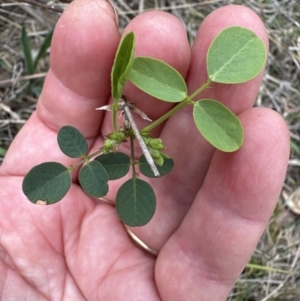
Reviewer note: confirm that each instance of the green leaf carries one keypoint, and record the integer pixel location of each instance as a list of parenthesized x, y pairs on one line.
[(236, 55), (27, 52), (158, 79), (116, 164), (48, 181), (71, 142), (163, 170), (218, 125), (93, 179), (45, 45), (294, 147), (135, 202), (122, 65), (3, 151), (35, 88)]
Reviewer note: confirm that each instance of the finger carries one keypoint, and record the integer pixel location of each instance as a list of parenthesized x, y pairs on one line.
[(236, 97), (83, 49), (218, 235), (83, 244), (82, 52), (190, 152), (158, 35)]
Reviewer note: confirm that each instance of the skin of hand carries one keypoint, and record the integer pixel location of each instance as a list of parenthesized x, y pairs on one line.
[(211, 210)]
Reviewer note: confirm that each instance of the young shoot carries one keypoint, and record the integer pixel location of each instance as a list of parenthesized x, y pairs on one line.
[(236, 55)]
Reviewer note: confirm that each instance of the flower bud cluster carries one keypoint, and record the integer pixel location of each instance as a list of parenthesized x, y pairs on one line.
[(113, 141), (155, 147)]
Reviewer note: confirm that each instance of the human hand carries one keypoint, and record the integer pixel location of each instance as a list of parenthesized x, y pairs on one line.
[(211, 210)]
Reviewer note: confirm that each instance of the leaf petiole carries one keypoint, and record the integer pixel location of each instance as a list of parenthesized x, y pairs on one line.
[(202, 88), (161, 119), (186, 101), (115, 124), (132, 157), (85, 159)]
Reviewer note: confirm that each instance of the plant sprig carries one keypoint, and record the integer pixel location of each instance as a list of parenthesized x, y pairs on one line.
[(236, 55)]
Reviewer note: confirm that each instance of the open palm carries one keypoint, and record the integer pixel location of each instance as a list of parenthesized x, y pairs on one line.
[(211, 211)]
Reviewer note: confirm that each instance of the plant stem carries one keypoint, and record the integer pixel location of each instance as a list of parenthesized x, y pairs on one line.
[(202, 88), (85, 158), (73, 167), (177, 108), (100, 151), (161, 119), (132, 157), (115, 124)]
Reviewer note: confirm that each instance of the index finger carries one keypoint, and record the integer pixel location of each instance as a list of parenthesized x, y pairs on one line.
[(82, 53)]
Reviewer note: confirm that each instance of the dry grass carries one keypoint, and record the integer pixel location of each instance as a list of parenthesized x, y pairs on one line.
[(279, 248)]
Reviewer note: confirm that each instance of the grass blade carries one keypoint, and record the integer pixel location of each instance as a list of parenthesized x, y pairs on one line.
[(45, 45), (27, 52)]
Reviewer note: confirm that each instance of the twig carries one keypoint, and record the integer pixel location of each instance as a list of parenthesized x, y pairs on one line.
[(36, 3), (26, 77), (126, 107), (140, 139), (294, 162), (5, 122)]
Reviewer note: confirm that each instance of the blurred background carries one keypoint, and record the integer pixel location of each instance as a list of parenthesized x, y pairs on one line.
[(25, 38)]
